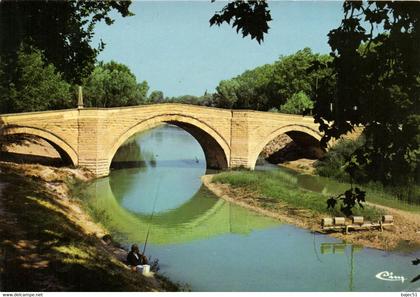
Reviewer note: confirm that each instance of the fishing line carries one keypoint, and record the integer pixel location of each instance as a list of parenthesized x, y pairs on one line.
[(151, 216)]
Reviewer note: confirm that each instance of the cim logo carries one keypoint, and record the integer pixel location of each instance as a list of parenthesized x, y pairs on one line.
[(390, 277)]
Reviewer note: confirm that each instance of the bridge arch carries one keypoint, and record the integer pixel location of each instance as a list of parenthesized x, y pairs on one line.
[(67, 153), (299, 134), (215, 147)]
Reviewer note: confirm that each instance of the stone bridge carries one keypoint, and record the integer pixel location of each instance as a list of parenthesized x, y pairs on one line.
[(90, 137)]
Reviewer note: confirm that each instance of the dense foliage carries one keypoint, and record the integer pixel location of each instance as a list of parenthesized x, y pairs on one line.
[(333, 164), (337, 160), (204, 100), (63, 30), (32, 85), (252, 90), (378, 86), (273, 85), (45, 46), (113, 84), (156, 97), (299, 103)]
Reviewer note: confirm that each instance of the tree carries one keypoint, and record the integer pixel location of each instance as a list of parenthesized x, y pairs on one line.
[(207, 99), (299, 103), (156, 97), (293, 74), (377, 75), (32, 85), (113, 84), (252, 90), (256, 88), (62, 30), (204, 100), (226, 93), (375, 83), (272, 85), (334, 162)]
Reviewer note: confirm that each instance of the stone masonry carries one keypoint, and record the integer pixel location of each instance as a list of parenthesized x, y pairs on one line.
[(90, 137)]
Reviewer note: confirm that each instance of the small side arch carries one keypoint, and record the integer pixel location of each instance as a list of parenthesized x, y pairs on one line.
[(294, 131), (215, 147), (66, 152)]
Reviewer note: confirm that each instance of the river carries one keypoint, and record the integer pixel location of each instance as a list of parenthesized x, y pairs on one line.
[(212, 245)]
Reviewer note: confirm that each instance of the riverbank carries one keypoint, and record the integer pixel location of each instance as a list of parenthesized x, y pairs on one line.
[(248, 193), (305, 166), (48, 241)]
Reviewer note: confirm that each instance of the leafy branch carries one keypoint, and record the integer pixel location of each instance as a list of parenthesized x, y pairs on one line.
[(249, 17), (350, 198)]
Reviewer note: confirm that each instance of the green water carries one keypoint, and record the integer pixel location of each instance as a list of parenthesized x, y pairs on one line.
[(216, 246)]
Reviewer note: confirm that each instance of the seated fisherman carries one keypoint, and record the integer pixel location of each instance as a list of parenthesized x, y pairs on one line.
[(135, 259)]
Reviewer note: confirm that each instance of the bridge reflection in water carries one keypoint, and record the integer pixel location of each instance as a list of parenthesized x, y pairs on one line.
[(169, 186), (203, 216)]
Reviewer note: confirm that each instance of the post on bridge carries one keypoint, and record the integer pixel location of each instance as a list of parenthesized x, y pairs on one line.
[(80, 98)]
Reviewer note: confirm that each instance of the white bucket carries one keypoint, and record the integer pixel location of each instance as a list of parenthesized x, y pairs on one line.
[(146, 269)]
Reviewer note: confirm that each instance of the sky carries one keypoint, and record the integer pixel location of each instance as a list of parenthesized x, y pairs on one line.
[(171, 45)]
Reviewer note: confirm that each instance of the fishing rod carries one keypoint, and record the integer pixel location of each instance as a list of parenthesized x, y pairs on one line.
[(151, 216)]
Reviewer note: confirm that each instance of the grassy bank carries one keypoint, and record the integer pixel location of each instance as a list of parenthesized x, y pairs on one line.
[(46, 244), (379, 195), (376, 193), (278, 195), (333, 165), (283, 187)]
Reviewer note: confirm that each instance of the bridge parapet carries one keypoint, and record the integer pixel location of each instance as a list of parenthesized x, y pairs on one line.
[(91, 136)]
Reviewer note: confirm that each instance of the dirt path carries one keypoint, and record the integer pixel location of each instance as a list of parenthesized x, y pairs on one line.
[(49, 243), (405, 234)]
